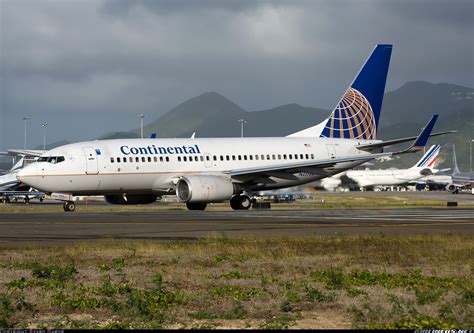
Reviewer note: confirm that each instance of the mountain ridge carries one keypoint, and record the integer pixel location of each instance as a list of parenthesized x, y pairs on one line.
[(405, 110)]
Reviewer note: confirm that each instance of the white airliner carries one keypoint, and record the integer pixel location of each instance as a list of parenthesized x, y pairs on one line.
[(206, 170), (391, 177), (8, 181), (460, 180), (10, 186)]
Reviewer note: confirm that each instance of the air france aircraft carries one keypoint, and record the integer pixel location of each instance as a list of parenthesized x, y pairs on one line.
[(424, 167), (207, 170)]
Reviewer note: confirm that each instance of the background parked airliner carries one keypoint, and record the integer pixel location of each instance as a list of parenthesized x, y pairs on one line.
[(424, 167), (200, 171), (460, 180)]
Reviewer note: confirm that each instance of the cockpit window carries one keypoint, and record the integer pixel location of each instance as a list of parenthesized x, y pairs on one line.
[(52, 159)]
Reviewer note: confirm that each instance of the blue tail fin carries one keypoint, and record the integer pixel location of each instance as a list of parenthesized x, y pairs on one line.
[(357, 114)]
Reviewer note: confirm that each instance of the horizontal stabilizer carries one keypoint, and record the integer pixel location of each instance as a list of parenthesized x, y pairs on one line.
[(388, 143)]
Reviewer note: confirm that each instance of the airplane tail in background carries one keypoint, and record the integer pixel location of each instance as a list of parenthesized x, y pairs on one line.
[(429, 158), (455, 162), (357, 114), (18, 165)]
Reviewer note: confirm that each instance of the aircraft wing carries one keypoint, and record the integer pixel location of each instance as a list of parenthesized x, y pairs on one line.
[(286, 171), (25, 152), (30, 194), (420, 140)]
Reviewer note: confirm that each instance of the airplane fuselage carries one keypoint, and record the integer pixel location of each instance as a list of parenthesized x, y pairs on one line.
[(151, 166), (388, 177)]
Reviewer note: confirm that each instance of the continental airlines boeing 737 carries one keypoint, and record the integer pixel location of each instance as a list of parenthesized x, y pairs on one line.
[(206, 170)]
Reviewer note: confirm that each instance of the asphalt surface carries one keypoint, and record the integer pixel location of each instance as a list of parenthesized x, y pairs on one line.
[(56, 228)]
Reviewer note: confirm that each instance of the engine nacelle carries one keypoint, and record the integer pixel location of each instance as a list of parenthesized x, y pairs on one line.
[(132, 199), (204, 189), (451, 187)]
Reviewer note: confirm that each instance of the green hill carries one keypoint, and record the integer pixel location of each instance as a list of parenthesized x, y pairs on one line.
[(405, 111)]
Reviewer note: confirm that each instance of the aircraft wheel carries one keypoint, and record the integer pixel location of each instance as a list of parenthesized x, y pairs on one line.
[(245, 202), (196, 205), (69, 206), (240, 202), (27, 200), (235, 202)]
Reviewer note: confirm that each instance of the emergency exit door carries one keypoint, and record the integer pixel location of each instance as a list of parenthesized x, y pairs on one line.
[(331, 151)]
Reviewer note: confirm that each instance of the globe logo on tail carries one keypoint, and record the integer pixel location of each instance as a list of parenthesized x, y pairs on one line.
[(353, 118)]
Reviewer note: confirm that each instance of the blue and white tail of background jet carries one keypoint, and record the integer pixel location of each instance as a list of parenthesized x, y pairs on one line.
[(357, 114), (429, 158)]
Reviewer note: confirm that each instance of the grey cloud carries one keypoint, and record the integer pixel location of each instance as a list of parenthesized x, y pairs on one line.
[(126, 57), (458, 14), (123, 7)]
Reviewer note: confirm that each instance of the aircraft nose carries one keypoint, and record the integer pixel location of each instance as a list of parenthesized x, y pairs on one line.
[(28, 175)]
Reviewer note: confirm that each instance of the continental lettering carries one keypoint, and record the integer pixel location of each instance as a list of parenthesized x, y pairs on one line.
[(160, 150)]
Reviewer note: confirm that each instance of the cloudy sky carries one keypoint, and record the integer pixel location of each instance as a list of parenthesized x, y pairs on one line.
[(88, 67)]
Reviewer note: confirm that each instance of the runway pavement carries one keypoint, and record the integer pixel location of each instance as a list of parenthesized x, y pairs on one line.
[(56, 228)]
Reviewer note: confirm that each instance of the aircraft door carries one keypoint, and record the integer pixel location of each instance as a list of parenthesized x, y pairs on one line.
[(331, 151), (92, 164)]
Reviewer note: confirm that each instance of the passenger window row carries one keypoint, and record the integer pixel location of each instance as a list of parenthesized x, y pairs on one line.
[(201, 158), (138, 159), (263, 157)]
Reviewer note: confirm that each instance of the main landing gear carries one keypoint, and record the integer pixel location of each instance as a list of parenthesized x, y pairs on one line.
[(196, 205), (69, 206), (240, 202)]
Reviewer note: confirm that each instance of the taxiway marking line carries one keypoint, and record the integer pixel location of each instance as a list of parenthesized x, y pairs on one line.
[(439, 223)]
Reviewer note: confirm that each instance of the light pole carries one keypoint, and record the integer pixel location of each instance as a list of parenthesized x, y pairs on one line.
[(141, 115), (44, 135), (470, 154), (242, 122), (25, 119)]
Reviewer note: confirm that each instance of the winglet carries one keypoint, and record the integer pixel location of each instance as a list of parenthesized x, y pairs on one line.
[(422, 138), (153, 136)]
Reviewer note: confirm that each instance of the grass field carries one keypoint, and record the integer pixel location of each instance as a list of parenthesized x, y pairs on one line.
[(353, 200), (378, 281)]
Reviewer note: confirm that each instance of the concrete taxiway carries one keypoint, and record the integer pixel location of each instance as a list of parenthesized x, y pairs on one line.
[(51, 228)]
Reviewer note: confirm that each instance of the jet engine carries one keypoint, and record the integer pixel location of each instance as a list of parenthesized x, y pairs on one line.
[(452, 188), (132, 199), (192, 189)]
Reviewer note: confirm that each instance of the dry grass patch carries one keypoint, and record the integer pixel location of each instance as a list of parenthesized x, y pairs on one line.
[(375, 281)]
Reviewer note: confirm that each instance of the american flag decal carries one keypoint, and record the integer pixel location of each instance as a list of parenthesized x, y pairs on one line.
[(307, 145)]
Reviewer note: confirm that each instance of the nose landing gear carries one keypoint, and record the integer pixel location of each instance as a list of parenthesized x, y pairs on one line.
[(69, 206)]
